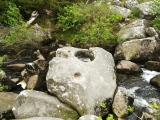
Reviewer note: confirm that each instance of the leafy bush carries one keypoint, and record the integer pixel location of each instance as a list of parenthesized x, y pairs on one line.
[(12, 15), (92, 24), (156, 22), (71, 19), (3, 87), (155, 6), (20, 37), (157, 107), (3, 58), (135, 12)]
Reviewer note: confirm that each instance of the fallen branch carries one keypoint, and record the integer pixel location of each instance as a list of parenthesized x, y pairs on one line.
[(34, 15)]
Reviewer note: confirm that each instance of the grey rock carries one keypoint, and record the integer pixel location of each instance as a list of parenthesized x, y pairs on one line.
[(147, 116), (155, 81), (152, 65), (88, 117), (152, 32), (134, 30), (78, 78), (138, 49), (30, 103), (121, 10), (145, 10), (2, 74), (128, 67), (130, 3), (6, 100), (122, 101), (116, 2)]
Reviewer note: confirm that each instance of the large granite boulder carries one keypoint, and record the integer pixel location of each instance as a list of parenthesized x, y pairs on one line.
[(83, 78), (138, 50), (134, 30), (145, 9), (30, 103)]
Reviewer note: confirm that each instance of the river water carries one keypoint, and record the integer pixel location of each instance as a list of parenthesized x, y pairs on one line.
[(139, 87)]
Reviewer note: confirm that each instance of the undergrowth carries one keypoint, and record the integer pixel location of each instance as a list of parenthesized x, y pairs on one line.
[(92, 24)]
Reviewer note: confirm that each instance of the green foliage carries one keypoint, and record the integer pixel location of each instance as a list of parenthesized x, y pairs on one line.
[(12, 15), (157, 107), (155, 6), (19, 37), (71, 18), (142, 1), (110, 117), (99, 118), (156, 22), (3, 87), (3, 58), (135, 12), (18, 33), (130, 109), (154, 105), (94, 23), (103, 104)]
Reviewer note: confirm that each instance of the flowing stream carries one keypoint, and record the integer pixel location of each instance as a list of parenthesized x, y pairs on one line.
[(139, 87)]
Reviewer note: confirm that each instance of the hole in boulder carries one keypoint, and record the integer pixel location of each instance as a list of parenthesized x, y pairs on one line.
[(77, 75), (85, 56)]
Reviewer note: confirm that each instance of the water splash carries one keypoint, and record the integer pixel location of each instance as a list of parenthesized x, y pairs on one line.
[(147, 74)]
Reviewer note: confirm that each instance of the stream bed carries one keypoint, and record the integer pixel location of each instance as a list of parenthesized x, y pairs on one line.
[(142, 91)]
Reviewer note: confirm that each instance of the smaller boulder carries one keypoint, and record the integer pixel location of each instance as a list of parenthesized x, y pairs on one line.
[(152, 65), (130, 3), (155, 81), (116, 2), (33, 82), (31, 103), (134, 30), (152, 32), (6, 103), (128, 67), (6, 100), (123, 11), (88, 117), (145, 9), (121, 103)]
